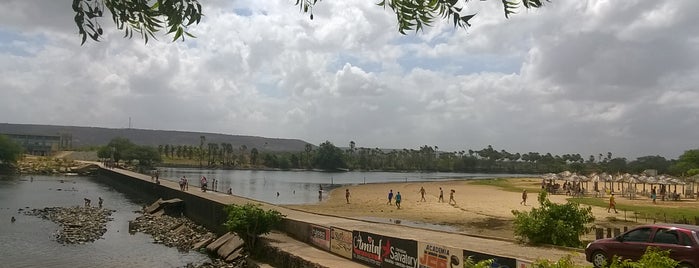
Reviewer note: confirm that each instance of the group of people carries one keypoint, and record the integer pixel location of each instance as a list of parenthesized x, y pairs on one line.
[(88, 202), (422, 192), (184, 184)]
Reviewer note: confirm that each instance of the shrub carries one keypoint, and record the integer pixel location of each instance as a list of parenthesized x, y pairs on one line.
[(249, 221), (551, 223), (653, 257)]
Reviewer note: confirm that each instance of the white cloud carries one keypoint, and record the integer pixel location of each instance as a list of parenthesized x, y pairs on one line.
[(583, 77)]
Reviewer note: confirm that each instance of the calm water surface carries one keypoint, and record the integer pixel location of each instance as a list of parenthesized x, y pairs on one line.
[(28, 242), (301, 187)]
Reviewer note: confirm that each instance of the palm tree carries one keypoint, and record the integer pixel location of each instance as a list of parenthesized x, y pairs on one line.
[(202, 139)]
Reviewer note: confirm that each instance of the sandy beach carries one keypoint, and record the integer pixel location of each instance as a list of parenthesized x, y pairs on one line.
[(479, 209)]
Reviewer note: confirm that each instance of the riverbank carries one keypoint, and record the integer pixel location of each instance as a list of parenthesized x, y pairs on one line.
[(479, 207)]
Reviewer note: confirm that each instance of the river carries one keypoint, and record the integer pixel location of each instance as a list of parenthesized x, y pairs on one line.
[(301, 187), (29, 243)]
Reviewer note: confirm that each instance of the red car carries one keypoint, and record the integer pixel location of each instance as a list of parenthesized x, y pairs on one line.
[(680, 239)]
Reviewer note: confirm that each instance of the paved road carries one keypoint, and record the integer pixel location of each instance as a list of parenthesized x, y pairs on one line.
[(455, 240)]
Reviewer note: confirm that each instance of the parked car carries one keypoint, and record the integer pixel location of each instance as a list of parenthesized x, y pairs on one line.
[(680, 239)]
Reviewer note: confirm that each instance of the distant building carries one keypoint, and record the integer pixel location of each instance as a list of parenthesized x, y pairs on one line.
[(41, 144)]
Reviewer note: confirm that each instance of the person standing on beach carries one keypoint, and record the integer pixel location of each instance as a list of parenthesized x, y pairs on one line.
[(347, 195), (524, 198), (390, 197), (398, 199), (422, 193), (451, 196), (100, 200), (441, 195), (612, 204)]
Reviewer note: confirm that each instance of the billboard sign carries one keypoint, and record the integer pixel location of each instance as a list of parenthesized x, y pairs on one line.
[(438, 256), (320, 236), (341, 242), (366, 248)]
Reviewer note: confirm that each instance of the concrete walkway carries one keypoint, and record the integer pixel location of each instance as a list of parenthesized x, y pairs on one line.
[(455, 240)]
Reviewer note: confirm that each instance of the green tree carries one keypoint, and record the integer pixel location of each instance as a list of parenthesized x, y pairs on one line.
[(119, 148), (329, 157), (146, 156), (253, 156), (688, 161), (10, 151), (551, 223), (147, 17), (249, 221)]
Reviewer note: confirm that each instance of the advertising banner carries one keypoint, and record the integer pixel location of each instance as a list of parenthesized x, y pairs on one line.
[(320, 236), (436, 256), (501, 262), (398, 253), (341, 242), (523, 264), (366, 248)]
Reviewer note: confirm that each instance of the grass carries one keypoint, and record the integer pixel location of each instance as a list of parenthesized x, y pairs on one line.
[(502, 183), (641, 212), (659, 213)]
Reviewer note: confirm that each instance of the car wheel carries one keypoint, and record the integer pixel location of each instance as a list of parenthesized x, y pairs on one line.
[(685, 265), (599, 259)]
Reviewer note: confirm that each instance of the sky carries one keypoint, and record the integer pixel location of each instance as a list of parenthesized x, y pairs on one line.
[(584, 77)]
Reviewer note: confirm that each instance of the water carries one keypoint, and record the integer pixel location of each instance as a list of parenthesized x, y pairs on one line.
[(300, 187), (28, 242)]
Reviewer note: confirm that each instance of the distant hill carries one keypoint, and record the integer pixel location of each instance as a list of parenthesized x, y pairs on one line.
[(91, 136)]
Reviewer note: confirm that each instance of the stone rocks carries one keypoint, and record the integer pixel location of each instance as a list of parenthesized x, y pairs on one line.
[(78, 224), (177, 232), (183, 234)]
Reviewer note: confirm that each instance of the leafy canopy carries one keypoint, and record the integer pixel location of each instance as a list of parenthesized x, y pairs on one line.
[(249, 221), (123, 149), (551, 223), (146, 17), (10, 151)]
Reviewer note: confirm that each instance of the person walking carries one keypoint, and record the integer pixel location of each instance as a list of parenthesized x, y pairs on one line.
[(451, 196), (441, 195), (653, 194), (398, 199), (347, 195), (422, 193), (612, 204), (524, 198), (390, 197)]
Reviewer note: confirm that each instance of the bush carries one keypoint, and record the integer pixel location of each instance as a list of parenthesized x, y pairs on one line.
[(653, 257), (470, 263), (249, 221), (551, 223)]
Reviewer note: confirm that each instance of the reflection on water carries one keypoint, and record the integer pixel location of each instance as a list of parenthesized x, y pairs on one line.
[(28, 242), (300, 187)]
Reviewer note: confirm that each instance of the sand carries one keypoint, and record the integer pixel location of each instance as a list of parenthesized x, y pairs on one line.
[(479, 209)]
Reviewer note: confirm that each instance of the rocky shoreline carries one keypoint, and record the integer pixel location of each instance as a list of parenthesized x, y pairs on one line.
[(182, 233), (178, 232), (79, 225)]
